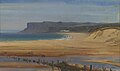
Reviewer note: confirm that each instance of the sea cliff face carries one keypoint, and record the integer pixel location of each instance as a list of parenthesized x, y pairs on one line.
[(53, 27)]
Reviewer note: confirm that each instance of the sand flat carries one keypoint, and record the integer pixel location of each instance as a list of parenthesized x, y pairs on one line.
[(20, 65)]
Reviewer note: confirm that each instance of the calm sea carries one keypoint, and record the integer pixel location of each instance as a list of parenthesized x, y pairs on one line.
[(26, 37)]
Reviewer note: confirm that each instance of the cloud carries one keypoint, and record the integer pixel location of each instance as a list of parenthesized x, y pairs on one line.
[(97, 2), (16, 15)]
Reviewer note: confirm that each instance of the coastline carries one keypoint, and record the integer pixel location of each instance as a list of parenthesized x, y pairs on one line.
[(73, 45)]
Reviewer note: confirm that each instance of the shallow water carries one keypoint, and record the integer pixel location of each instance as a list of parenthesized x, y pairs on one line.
[(69, 59), (25, 37)]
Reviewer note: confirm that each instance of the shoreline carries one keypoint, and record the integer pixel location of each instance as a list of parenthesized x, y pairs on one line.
[(63, 37), (75, 45), (71, 41), (20, 65), (104, 61)]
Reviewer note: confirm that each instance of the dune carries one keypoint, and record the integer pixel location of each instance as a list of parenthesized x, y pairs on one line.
[(109, 35)]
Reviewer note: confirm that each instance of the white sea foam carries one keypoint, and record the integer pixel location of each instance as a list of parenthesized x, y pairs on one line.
[(65, 37)]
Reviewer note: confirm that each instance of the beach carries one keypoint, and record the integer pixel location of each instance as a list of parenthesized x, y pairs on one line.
[(75, 44)]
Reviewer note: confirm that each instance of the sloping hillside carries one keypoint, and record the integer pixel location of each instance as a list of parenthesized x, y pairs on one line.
[(109, 35)]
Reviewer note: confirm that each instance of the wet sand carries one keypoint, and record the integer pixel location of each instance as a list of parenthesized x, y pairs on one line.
[(20, 65)]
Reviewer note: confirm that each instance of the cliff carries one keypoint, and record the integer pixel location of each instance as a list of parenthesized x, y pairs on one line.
[(53, 27)]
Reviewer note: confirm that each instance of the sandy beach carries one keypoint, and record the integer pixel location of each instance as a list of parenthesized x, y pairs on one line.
[(74, 46)]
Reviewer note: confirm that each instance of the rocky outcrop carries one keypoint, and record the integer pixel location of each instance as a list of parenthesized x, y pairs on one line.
[(53, 27)]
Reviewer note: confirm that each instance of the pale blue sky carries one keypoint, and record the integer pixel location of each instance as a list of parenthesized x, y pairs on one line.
[(14, 14)]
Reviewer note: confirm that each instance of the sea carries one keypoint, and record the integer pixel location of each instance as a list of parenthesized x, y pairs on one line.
[(28, 37)]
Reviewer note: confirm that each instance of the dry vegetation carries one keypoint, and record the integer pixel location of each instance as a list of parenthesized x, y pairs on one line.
[(109, 34)]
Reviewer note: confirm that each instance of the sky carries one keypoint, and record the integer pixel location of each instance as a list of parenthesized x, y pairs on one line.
[(15, 14)]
